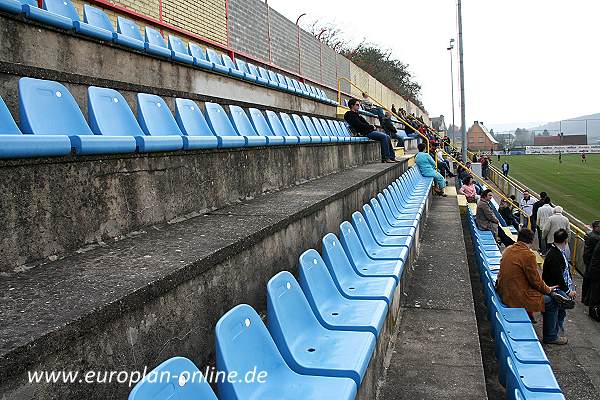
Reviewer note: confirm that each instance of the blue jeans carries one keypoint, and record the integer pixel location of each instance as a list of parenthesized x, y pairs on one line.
[(386, 144), (554, 318)]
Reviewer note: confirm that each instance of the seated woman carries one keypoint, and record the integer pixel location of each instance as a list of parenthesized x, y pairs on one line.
[(469, 190), (426, 166)]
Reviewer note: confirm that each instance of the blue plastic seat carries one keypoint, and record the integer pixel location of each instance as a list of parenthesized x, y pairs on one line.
[(197, 133), (278, 129), (16, 6), (303, 130), (307, 346), (333, 310), (520, 386), (381, 230), (48, 108), (291, 128), (313, 130), (530, 352), (263, 129), (273, 78), (335, 130), (243, 66), (312, 92), (221, 125), (200, 58), (263, 73), (157, 122), (154, 43), (244, 127), (413, 214), (348, 282), (327, 131), (384, 217), (296, 86), (370, 239), (303, 89), (176, 378), (241, 329), (13, 144), (516, 331), (284, 84), (398, 206), (370, 259), (253, 70), (128, 34), (233, 69), (217, 61), (179, 51), (95, 24), (53, 12), (318, 128)]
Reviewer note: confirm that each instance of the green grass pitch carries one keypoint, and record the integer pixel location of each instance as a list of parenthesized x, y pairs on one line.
[(572, 184)]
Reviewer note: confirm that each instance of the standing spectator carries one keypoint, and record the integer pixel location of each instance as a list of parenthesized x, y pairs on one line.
[(526, 205), (593, 297), (505, 210), (468, 190), (520, 285), (491, 151), (592, 238), (486, 220), (505, 167), (543, 214), (363, 128), (556, 272), (394, 110), (535, 208), (474, 158), (485, 165), (555, 222), (426, 167)]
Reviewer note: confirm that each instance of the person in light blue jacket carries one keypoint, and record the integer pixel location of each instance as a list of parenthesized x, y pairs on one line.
[(426, 166)]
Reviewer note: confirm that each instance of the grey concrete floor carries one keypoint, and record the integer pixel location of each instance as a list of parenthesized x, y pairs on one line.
[(437, 353)]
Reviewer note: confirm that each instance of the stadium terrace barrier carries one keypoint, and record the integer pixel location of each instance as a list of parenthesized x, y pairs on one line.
[(510, 186)]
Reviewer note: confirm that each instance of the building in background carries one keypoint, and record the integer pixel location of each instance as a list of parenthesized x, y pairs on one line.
[(479, 138), (560, 140)]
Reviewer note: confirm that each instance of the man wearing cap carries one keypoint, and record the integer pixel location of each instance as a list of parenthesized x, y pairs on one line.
[(591, 240)]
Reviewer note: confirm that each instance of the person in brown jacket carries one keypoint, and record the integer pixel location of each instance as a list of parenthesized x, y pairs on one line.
[(520, 284), (486, 220)]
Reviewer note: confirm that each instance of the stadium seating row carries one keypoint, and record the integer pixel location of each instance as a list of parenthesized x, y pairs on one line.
[(322, 330), (54, 124), (524, 369), (96, 24)]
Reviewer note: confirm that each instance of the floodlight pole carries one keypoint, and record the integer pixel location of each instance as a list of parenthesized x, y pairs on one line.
[(463, 128)]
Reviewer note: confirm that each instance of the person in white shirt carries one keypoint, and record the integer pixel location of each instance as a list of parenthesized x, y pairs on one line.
[(543, 213), (443, 164), (526, 205)]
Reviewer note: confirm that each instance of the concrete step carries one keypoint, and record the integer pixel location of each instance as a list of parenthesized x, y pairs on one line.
[(158, 293)]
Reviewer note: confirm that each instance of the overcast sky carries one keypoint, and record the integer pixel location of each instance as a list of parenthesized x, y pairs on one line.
[(526, 61)]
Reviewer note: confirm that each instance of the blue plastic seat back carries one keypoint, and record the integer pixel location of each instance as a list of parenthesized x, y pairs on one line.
[(310, 126), (190, 118), (178, 45), (109, 113), (315, 279), (176, 378), (254, 70), (276, 125), (197, 51), (61, 7), (48, 108), (242, 66), (281, 80), (7, 122), (218, 120), (334, 128), (301, 127), (129, 28), (296, 85), (288, 310), (241, 122), (214, 57), (239, 330), (96, 17), (336, 258), (263, 73), (273, 76), (155, 117), (154, 37), (326, 127), (228, 62), (260, 123), (359, 224), (289, 125)]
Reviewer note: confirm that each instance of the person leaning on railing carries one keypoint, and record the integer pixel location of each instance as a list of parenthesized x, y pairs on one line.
[(590, 290)]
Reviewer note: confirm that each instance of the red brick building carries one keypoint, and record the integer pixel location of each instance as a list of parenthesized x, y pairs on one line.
[(479, 138), (556, 140)]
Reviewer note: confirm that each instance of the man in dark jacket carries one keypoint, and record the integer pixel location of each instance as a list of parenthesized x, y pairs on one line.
[(360, 126), (390, 129), (556, 272), (535, 208), (593, 274), (591, 239)]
